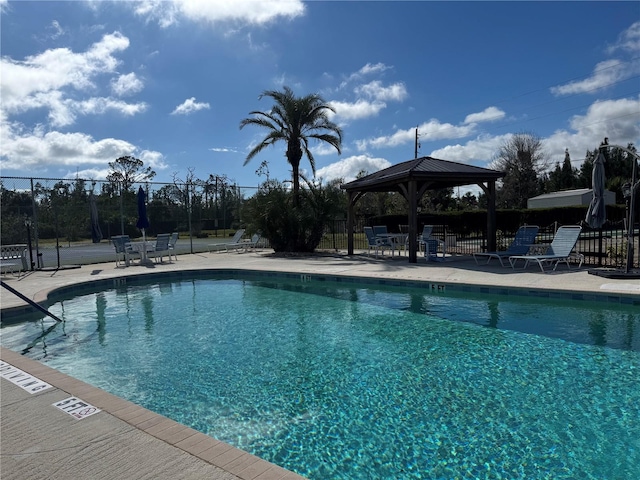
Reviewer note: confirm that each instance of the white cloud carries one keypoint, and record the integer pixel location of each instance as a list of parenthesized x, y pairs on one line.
[(480, 150), (376, 94), (43, 80), (57, 29), (619, 120), (357, 110), (167, 13), (489, 114), (189, 106), (47, 153), (100, 105), (428, 131), (629, 40), (224, 150), (396, 92), (368, 69), (604, 74), (349, 167), (125, 85), (608, 118)]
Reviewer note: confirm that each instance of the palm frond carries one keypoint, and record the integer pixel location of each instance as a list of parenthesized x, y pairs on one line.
[(295, 120)]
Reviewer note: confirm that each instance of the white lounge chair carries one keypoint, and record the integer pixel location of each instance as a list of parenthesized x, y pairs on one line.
[(235, 241), (558, 251), (525, 236), (254, 242)]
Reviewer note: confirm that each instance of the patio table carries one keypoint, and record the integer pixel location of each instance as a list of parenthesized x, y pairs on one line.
[(399, 239), (142, 248)]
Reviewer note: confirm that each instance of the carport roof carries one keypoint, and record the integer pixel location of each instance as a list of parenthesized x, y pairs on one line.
[(429, 172)]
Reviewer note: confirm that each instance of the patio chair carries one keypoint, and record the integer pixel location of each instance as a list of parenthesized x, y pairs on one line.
[(172, 245), (524, 238), (122, 245), (375, 242), (233, 244), (431, 245), (564, 241), (161, 248), (380, 231)]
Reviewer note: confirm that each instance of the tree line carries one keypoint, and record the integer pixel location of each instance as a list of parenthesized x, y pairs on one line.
[(293, 218)]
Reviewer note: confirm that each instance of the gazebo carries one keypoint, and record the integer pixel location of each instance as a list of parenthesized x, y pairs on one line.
[(412, 179)]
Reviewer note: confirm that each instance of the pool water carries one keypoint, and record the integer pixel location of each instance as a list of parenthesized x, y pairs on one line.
[(338, 381)]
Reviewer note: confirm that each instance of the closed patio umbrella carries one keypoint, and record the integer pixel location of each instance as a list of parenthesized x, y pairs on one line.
[(597, 213), (143, 221), (96, 233)]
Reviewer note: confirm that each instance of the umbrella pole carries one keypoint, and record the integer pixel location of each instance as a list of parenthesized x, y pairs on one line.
[(630, 224), (634, 186)]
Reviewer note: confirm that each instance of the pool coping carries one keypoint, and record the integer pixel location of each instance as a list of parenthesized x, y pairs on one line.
[(228, 458), (47, 297)]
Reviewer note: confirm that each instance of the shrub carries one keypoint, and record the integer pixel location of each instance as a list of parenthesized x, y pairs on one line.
[(293, 226)]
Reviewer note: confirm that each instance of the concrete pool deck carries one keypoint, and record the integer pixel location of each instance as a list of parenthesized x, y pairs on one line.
[(123, 440)]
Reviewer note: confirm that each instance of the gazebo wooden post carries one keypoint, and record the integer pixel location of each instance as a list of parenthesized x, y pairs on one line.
[(413, 221), (350, 215), (491, 217)]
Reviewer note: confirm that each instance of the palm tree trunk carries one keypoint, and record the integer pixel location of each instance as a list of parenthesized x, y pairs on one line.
[(295, 173)]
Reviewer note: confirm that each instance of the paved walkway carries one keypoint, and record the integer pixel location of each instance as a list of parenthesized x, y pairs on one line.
[(123, 440)]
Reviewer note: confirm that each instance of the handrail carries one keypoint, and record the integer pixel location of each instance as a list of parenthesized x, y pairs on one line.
[(30, 302)]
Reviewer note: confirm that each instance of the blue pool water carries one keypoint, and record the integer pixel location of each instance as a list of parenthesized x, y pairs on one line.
[(338, 381)]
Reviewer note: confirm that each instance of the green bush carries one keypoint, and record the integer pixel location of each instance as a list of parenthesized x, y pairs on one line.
[(293, 226)]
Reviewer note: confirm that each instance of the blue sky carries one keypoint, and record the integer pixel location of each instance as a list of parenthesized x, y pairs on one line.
[(83, 83)]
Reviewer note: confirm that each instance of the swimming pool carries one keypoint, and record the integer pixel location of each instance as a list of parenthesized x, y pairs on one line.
[(346, 380)]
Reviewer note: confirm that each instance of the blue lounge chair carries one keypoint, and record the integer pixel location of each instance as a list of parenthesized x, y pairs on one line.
[(161, 248), (122, 245), (172, 245), (558, 251), (431, 245), (525, 236)]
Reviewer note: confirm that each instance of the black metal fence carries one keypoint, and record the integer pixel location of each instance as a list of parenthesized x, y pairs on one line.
[(606, 247)]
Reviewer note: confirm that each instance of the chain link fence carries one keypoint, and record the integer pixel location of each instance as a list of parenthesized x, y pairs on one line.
[(69, 222)]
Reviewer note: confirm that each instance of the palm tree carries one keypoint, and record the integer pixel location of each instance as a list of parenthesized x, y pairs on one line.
[(295, 120)]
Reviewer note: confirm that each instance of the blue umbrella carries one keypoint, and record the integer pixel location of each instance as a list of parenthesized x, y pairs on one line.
[(597, 213), (143, 221)]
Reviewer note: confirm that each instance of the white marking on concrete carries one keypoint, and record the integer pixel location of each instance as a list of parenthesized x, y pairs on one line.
[(76, 408), (627, 287), (24, 380)]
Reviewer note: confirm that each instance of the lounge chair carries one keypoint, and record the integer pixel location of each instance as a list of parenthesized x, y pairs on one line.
[(122, 245), (233, 244), (525, 236), (161, 248), (431, 244), (254, 242), (558, 251), (375, 242), (172, 245)]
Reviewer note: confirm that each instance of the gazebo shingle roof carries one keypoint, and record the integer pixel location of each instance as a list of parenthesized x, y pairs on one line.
[(433, 171)]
